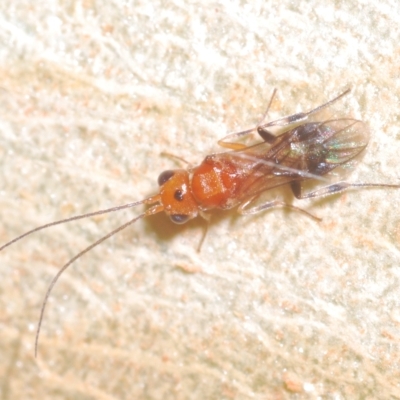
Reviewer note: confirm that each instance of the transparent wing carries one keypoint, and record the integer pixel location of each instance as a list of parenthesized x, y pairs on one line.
[(314, 151)]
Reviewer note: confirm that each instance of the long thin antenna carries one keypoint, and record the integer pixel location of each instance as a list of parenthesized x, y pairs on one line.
[(62, 221), (80, 254)]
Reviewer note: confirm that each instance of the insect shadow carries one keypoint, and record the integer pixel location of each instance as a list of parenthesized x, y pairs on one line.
[(296, 151)]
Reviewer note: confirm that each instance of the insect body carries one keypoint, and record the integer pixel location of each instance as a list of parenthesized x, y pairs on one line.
[(308, 151), (305, 150)]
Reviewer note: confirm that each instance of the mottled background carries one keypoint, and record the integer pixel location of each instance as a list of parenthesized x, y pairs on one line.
[(276, 306)]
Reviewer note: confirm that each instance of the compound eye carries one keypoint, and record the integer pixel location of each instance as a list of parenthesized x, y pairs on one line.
[(165, 176), (179, 218)]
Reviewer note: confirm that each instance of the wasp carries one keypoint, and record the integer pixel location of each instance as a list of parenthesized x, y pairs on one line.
[(304, 150)]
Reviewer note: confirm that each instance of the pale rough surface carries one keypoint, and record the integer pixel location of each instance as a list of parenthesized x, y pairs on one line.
[(277, 306)]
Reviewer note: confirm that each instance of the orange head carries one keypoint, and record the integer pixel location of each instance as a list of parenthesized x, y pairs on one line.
[(176, 196)]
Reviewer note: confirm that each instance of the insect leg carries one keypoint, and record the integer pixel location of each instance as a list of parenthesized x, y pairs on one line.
[(226, 141), (207, 219), (270, 204), (334, 188), (175, 157), (268, 137)]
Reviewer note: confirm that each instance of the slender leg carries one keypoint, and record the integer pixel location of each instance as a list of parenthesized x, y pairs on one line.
[(293, 119), (267, 137), (334, 188), (262, 127), (170, 155), (271, 204), (207, 218), (226, 141), (203, 236)]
